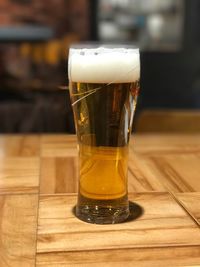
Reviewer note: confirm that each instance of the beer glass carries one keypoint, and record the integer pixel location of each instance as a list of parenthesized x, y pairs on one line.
[(104, 84)]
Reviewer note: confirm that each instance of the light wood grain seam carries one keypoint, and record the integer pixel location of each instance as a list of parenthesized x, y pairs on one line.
[(9, 193), (18, 194), (175, 174), (183, 207), (173, 195), (123, 230), (187, 210), (122, 248)]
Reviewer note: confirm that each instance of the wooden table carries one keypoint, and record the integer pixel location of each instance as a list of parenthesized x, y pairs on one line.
[(38, 185)]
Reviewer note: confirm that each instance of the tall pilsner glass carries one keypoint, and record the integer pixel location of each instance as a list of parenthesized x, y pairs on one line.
[(104, 84)]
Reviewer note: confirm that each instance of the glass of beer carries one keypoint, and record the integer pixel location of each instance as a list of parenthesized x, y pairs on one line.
[(104, 85)]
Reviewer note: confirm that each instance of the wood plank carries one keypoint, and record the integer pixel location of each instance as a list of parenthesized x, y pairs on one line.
[(158, 144), (19, 175), (191, 202), (59, 146), (163, 223), (63, 148), (148, 144), (18, 220), (168, 120), (58, 175), (139, 257), (19, 145), (141, 178), (177, 172)]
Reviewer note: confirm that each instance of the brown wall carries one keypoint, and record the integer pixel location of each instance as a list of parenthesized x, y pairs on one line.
[(62, 15)]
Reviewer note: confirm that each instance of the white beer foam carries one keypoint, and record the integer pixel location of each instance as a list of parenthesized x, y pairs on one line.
[(104, 65)]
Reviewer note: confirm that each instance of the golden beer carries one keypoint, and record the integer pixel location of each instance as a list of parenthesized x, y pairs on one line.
[(103, 113)]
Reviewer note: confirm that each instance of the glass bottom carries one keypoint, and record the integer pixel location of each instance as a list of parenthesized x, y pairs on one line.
[(102, 211)]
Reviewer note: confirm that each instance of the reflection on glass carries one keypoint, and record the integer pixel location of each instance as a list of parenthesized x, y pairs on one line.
[(104, 84)]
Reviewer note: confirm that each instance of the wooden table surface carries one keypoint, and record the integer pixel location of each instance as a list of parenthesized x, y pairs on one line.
[(38, 185)]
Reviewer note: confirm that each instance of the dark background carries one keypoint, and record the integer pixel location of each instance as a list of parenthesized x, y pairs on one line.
[(172, 80), (33, 63)]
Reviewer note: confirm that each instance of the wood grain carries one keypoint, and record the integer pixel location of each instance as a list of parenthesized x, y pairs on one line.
[(191, 202), (168, 120), (138, 257), (164, 185), (141, 178), (19, 146), (59, 146), (163, 144), (163, 224), (19, 175), (58, 175), (18, 220), (178, 173)]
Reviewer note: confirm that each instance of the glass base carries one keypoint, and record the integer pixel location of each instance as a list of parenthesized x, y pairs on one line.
[(102, 211)]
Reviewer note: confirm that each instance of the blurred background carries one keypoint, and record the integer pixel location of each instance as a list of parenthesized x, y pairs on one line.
[(35, 37)]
